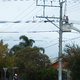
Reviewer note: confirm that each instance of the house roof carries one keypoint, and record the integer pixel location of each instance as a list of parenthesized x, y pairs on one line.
[(54, 60)]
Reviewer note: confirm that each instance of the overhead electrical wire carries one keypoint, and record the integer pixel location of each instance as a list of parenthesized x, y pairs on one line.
[(65, 40), (22, 12), (41, 31), (72, 1), (24, 24), (56, 9), (18, 16), (73, 8), (62, 41), (32, 10), (14, 22)]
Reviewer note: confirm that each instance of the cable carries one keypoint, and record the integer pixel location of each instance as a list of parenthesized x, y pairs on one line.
[(72, 7), (41, 31), (62, 41), (26, 14), (22, 13), (51, 45), (18, 16)]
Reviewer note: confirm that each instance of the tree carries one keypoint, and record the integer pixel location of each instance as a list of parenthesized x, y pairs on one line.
[(72, 59), (26, 42), (5, 59), (14, 49), (29, 59), (44, 74)]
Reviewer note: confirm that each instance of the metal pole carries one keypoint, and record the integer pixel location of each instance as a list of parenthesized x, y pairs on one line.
[(60, 44), (44, 8), (36, 2), (5, 69), (4, 75), (13, 70)]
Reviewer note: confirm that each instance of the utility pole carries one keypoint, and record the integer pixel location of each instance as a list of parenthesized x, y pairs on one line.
[(60, 31), (44, 8), (60, 44)]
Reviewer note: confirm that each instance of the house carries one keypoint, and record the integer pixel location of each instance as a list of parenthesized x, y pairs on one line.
[(55, 64)]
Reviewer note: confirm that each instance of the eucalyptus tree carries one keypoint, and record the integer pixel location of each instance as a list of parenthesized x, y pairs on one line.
[(72, 59), (29, 59)]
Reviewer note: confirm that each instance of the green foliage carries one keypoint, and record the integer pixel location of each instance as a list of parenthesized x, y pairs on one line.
[(5, 59), (72, 59), (25, 42), (44, 74), (29, 59)]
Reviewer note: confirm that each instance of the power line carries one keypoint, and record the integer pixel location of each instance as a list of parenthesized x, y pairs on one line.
[(62, 41), (18, 16), (41, 31), (22, 17)]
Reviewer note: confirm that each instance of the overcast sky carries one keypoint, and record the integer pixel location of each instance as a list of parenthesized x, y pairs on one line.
[(26, 10)]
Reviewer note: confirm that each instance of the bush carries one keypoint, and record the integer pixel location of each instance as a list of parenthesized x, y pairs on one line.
[(44, 74)]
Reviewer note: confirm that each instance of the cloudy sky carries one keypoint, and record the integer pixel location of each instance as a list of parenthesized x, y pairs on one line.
[(45, 34)]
